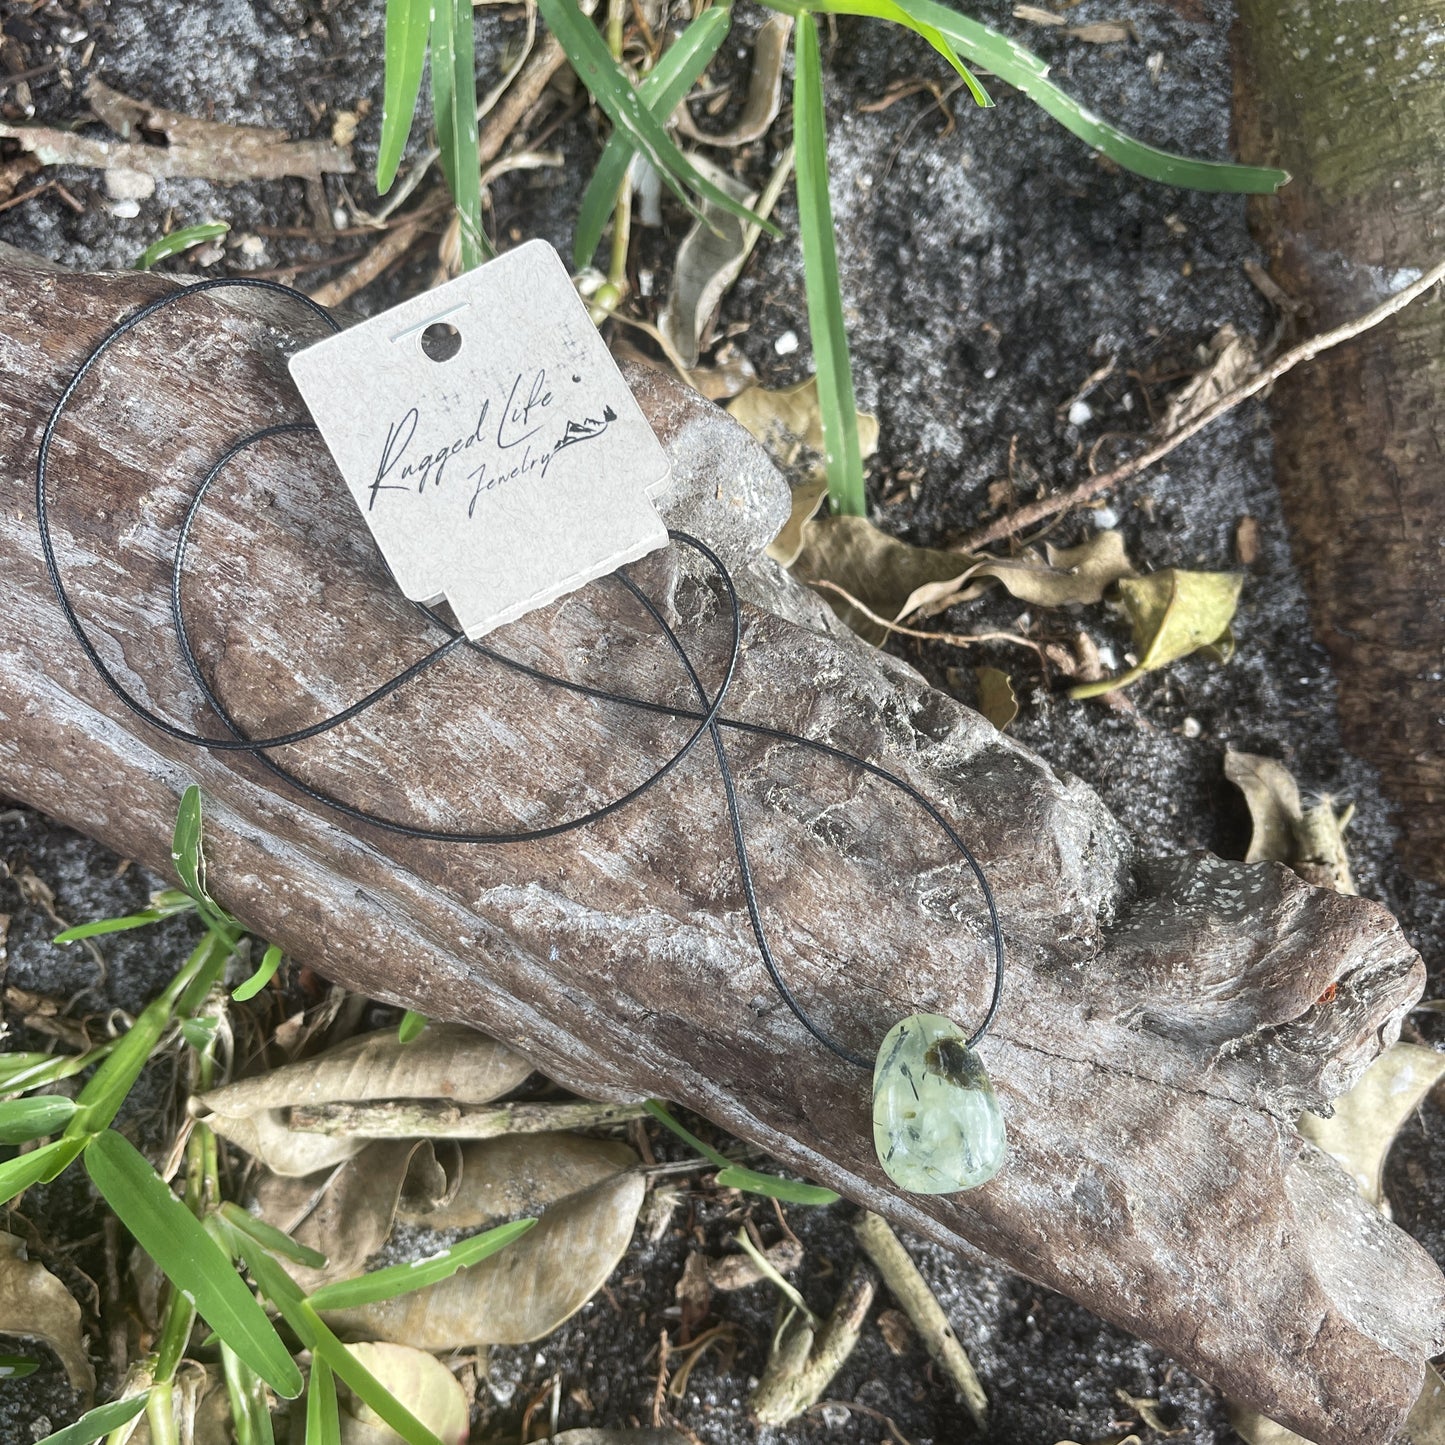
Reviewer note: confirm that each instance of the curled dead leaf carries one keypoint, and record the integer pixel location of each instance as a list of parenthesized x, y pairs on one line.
[(447, 1062), (516, 1175), (894, 579), (765, 90), (1311, 841), (420, 1382), (523, 1292), (1174, 613), (708, 262), (348, 1214), (35, 1305)]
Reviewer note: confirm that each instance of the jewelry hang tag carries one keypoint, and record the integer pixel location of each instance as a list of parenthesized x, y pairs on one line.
[(489, 439)]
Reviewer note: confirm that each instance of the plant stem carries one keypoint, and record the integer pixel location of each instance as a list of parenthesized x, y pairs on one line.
[(161, 1414)]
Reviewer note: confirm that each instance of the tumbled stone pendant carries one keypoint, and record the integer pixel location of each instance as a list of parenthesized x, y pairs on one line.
[(937, 1125)]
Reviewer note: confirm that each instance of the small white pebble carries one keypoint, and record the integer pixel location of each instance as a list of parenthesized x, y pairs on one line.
[(646, 280), (1191, 727), (1106, 517), (1080, 413), (835, 1416), (786, 344), (339, 218), (1108, 657), (125, 210)]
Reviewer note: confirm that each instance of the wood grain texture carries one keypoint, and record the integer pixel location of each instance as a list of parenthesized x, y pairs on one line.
[(1348, 99), (1163, 1022)]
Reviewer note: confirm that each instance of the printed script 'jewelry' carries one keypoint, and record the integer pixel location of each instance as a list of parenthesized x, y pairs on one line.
[(937, 1123)]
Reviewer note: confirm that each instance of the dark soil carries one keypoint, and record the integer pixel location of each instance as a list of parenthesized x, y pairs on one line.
[(990, 266)]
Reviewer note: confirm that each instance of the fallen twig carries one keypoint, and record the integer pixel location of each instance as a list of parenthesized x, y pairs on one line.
[(423, 1119), (911, 1291), (392, 246), (952, 639), (228, 154), (806, 1357), (1014, 522)]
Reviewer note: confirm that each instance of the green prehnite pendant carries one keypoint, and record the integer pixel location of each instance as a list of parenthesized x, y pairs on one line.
[(937, 1125)]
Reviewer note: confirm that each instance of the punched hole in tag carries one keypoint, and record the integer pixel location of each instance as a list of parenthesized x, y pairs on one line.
[(441, 341)]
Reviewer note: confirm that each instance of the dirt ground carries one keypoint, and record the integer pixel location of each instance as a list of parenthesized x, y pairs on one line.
[(990, 265)]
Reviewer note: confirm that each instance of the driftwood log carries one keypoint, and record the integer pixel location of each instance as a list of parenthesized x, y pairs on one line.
[(1348, 98), (1165, 1020)]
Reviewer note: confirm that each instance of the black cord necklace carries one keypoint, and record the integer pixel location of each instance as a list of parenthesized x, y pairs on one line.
[(936, 1122)]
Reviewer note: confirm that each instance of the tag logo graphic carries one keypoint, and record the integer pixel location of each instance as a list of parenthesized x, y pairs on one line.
[(489, 440)]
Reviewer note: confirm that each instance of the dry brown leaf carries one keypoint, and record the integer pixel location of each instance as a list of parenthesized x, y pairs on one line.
[(709, 259), (1309, 840), (519, 1174), (447, 1062), (35, 1305), (738, 1271), (421, 1383), (521, 1293), (229, 154), (790, 426), (1359, 1134), (1035, 15), (1174, 613), (895, 579), (347, 1215), (765, 90), (1102, 32), (1228, 361), (996, 700)]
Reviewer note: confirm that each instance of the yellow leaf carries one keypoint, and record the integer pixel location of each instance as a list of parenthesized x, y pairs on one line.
[(1173, 613), (996, 700)]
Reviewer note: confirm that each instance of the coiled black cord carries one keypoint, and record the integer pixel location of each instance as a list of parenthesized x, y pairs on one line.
[(707, 717)]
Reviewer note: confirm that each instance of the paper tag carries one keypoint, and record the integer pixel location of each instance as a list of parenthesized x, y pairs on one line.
[(511, 472)]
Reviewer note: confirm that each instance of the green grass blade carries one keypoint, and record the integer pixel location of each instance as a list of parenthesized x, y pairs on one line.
[(836, 404), (37, 1167), (98, 1423), (660, 1112), (162, 907), (400, 1279), (411, 1025), (24, 1119), (101, 1098), (19, 1073), (1024, 70), (272, 1238), (193, 1262), (662, 92), (270, 962), (179, 241), (407, 23), (311, 1329), (790, 1191), (250, 1404), (454, 104), (323, 1418), (188, 858), (901, 12), (17, 1367), (624, 107)]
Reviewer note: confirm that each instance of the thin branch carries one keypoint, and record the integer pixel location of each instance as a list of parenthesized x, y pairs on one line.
[(1046, 507), (952, 639), (911, 1291)]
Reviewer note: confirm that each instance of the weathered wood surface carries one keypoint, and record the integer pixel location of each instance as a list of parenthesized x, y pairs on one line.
[(1348, 97), (1164, 1021)]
